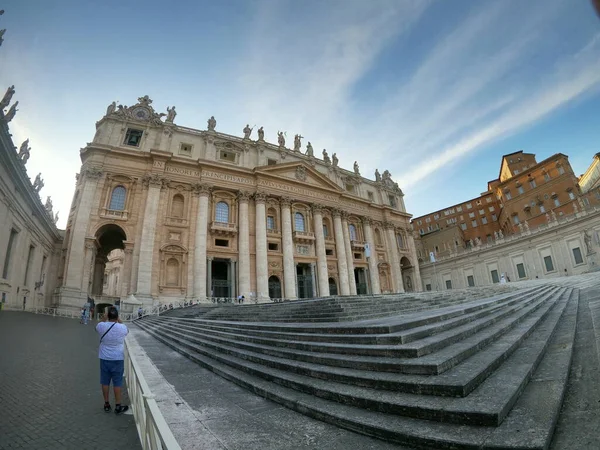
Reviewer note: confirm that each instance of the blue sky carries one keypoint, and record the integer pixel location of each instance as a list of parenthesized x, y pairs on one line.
[(434, 91)]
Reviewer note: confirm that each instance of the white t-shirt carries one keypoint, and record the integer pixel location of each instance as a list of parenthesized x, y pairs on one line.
[(111, 347)]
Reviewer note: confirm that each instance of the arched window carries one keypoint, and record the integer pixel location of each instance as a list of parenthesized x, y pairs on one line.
[(352, 230), (172, 272), (117, 199), (222, 212), (377, 236), (299, 222), (177, 206)]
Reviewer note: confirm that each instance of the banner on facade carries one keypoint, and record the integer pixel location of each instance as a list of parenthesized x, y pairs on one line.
[(431, 257)]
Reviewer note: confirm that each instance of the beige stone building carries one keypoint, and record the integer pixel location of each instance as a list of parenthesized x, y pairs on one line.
[(29, 240), (201, 214)]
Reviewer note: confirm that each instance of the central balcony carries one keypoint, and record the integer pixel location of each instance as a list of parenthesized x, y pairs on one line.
[(223, 228), (304, 236), (358, 244)]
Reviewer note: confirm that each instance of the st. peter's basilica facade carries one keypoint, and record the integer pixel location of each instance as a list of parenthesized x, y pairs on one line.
[(201, 214)]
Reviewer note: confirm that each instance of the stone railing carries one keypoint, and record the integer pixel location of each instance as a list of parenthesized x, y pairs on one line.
[(113, 213), (522, 232), (304, 236), (223, 227), (153, 430), (357, 244)]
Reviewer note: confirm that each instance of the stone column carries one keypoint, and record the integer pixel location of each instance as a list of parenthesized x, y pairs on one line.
[(208, 280), (200, 279), (262, 266), (349, 255), (373, 263), (244, 244), (88, 266), (417, 284), (75, 267), (98, 281), (313, 277), (126, 276), (340, 249), (153, 183), (233, 276), (394, 257), (320, 249), (289, 270)]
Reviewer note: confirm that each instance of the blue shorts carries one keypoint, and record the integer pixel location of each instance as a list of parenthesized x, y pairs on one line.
[(111, 370)]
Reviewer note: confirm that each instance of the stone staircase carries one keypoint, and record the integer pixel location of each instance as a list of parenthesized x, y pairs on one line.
[(427, 371)]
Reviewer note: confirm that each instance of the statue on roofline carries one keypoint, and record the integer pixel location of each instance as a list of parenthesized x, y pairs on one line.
[(7, 97), (24, 151), (334, 160), (309, 150), (280, 139), (247, 131), (326, 157), (171, 113), (212, 123), (261, 134)]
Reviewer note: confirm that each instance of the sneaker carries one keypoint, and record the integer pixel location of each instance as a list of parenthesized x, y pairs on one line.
[(107, 407), (120, 409)]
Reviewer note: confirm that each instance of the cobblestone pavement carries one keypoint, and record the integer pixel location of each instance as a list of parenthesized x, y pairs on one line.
[(50, 389)]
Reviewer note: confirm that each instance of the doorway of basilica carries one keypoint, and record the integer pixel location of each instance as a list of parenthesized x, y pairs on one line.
[(109, 240), (360, 278), (221, 278), (274, 287), (305, 282)]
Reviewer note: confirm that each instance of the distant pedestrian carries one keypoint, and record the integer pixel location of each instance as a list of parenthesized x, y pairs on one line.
[(82, 315), (86, 315), (240, 299), (140, 312), (111, 354)]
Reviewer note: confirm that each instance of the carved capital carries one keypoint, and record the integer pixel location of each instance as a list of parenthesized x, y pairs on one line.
[(260, 197), (201, 189), (285, 202), (367, 221), (344, 215), (243, 196), (153, 179), (92, 173), (317, 209), (388, 226), (336, 212)]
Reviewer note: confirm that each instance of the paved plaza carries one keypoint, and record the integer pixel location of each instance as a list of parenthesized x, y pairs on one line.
[(50, 389)]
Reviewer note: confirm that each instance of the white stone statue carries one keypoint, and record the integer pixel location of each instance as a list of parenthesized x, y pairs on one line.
[(11, 112), (356, 171), (48, 205), (297, 142), (495, 235), (500, 234), (309, 150), (247, 131), (548, 217), (575, 208), (377, 175), (553, 215), (520, 227), (334, 160), (56, 217), (477, 242), (526, 226), (24, 151), (471, 243), (326, 157), (281, 139), (111, 108), (587, 239), (171, 113), (261, 134), (7, 97), (38, 183), (212, 123)]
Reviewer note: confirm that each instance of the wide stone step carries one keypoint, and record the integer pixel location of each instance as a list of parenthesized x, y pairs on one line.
[(528, 412)]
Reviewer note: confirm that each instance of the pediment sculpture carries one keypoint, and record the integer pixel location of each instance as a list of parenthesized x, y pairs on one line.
[(141, 111)]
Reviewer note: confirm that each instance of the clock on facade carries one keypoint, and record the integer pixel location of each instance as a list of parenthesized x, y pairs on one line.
[(141, 113)]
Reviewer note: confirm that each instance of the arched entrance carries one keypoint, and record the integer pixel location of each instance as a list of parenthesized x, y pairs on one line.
[(110, 246), (274, 287), (407, 274), (332, 287)]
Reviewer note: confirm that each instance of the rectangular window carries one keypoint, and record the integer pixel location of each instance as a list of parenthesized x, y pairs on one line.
[(270, 223), (358, 256), (273, 246), (473, 223), (222, 242), (227, 156), (577, 255), (484, 220), (470, 281), (521, 270), (271, 162), (548, 263), (561, 170), (469, 206), (532, 183), (463, 226), (546, 176), (28, 265), (488, 200), (448, 284), (370, 196), (520, 190), (586, 201), (542, 209), (571, 195), (133, 137), (494, 217), (556, 202), (471, 215), (516, 219), (392, 201), (495, 278), (329, 251), (507, 195), (459, 208), (481, 212), (427, 287), (185, 149), (9, 249), (491, 209), (436, 216), (428, 220)]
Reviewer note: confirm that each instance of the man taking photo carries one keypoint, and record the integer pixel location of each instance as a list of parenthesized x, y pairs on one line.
[(112, 338)]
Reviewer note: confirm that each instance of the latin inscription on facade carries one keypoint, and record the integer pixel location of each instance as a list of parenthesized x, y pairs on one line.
[(226, 177), (182, 171), (297, 190)]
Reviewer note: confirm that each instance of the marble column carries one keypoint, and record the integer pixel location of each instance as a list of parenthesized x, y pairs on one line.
[(322, 274), (340, 249), (372, 260), (153, 183), (417, 284), (75, 267), (262, 265), (126, 276), (289, 269), (208, 280), (392, 246), (99, 266), (349, 253), (244, 245), (201, 235), (88, 266)]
